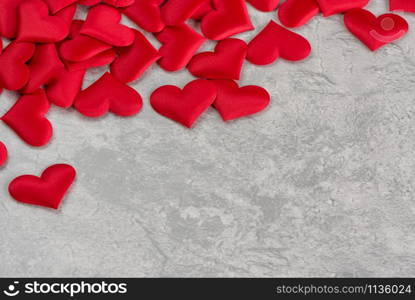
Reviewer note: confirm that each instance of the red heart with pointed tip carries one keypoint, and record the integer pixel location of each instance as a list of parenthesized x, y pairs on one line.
[(404, 5), (184, 106), (56, 6), (48, 190), (14, 73), (134, 60), (373, 31), (225, 63), (108, 94), (63, 89), (296, 13), (176, 12), (3, 154), (264, 5), (229, 18), (331, 7), (146, 14), (113, 32), (275, 41), (180, 43), (234, 102), (27, 119), (99, 60), (8, 17), (203, 10), (115, 3)]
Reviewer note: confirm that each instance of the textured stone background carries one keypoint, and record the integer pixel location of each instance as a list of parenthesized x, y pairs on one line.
[(321, 184)]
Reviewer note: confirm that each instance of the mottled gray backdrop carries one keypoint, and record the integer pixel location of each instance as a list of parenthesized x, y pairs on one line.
[(320, 184)]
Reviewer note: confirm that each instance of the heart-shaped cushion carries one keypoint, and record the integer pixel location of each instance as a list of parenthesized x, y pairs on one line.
[(296, 13), (146, 14), (403, 5), (331, 7), (8, 17), (176, 12), (47, 190), (185, 105), (3, 154), (264, 5)]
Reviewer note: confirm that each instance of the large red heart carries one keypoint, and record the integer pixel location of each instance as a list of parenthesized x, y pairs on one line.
[(331, 7), (375, 32), (296, 13), (8, 17), (229, 18), (27, 119), (225, 63), (134, 60), (264, 5), (275, 41), (108, 94), (180, 43), (184, 106), (3, 154), (146, 14), (175, 12), (234, 102), (48, 190), (56, 6), (14, 73), (113, 32), (404, 5)]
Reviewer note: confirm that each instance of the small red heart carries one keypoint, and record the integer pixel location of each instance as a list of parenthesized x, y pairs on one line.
[(99, 60), (375, 32), (203, 10), (176, 12), (3, 154), (113, 32), (56, 6), (27, 119), (296, 13), (275, 41), (115, 3), (180, 43), (14, 73), (264, 5), (225, 63), (63, 89), (331, 7), (184, 106), (134, 60), (234, 102), (108, 94), (48, 190), (8, 17), (146, 14), (229, 18), (404, 5)]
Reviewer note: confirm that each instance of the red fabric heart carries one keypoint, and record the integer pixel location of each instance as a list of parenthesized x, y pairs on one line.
[(184, 106), (113, 32), (56, 6), (134, 60), (229, 18), (176, 12), (8, 17), (3, 154), (404, 5), (375, 32), (146, 14), (234, 102), (108, 94), (99, 60), (203, 10), (275, 41), (14, 73), (180, 43), (63, 89), (331, 7), (225, 63), (37, 26), (264, 5), (48, 190), (296, 13), (27, 119)]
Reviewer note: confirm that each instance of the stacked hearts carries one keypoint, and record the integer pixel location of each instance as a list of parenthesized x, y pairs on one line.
[(49, 53)]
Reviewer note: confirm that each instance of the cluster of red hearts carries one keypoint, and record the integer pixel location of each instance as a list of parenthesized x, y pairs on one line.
[(49, 53)]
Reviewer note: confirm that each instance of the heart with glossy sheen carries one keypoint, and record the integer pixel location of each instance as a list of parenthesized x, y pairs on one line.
[(403, 5), (275, 41), (331, 7), (113, 33), (3, 154), (233, 102), (108, 94), (225, 63), (185, 105), (8, 17), (296, 13), (229, 18), (176, 12), (373, 31), (48, 190), (264, 5), (146, 14), (27, 119)]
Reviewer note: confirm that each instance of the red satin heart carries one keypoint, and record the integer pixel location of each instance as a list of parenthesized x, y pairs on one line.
[(264, 5), (203, 10), (3, 154), (234, 102), (134, 60), (48, 190), (184, 106), (8, 17), (403, 5), (14, 73), (108, 94), (56, 6), (115, 3), (375, 32), (37, 26), (27, 119), (296, 13), (229, 18), (225, 63), (331, 7), (275, 41), (113, 32), (63, 89), (180, 43), (99, 60), (176, 12), (146, 14)]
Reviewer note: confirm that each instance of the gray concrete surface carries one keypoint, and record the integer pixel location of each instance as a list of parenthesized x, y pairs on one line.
[(321, 184)]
